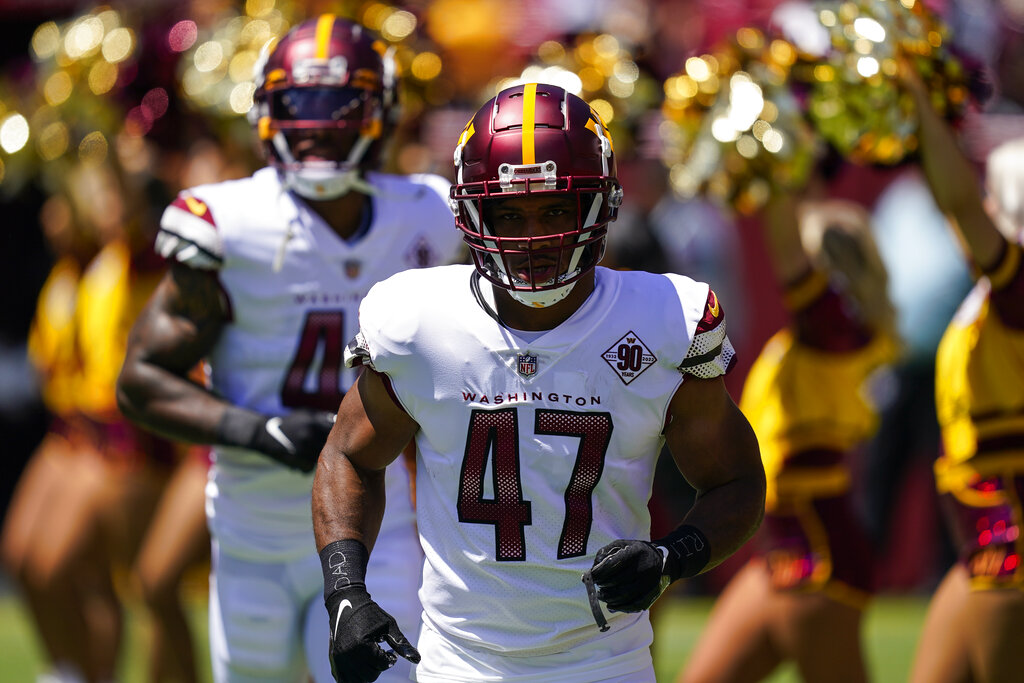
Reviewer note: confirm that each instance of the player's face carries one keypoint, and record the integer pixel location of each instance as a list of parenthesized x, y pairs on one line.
[(321, 145), (320, 123), (537, 225)]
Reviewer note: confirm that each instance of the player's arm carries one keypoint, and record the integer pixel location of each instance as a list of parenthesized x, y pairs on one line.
[(348, 492), (348, 504), (177, 328), (715, 449)]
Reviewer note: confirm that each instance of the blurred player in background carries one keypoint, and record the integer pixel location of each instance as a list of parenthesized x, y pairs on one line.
[(540, 390), (973, 628), (802, 597), (265, 280)]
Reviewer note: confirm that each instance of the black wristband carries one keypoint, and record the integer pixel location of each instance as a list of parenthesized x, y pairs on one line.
[(344, 565), (688, 552), (239, 427)]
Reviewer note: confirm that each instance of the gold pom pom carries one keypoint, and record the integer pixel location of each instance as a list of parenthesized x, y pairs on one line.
[(855, 99), (734, 130)]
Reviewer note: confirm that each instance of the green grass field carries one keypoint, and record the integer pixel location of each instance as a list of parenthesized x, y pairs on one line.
[(891, 630)]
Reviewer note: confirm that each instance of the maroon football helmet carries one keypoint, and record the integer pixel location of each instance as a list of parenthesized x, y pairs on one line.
[(322, 104), (536, 139)]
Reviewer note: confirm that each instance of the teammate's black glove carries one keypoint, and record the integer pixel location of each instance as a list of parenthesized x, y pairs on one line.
[(629, 575), (358, 624), (294, 440)]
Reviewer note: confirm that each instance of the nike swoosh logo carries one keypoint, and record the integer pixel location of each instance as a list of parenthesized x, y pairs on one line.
[(274, 429), (341, 608)]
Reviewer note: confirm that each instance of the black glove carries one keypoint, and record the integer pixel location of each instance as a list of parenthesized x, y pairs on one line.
[(294, 440), (357, 623), (629, 575)]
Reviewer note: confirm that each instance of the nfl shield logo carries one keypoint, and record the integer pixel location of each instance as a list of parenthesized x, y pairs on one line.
[(352, 268), (527, 364)]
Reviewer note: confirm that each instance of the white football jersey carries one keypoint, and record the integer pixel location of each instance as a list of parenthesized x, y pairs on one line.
[(293, 288), (534, 449)]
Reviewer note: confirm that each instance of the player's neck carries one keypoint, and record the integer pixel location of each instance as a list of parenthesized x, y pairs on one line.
[(344, 214), (519, 316)]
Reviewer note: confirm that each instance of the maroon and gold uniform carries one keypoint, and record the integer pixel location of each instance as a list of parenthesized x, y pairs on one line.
[(805, 399), (111, 293), (51, 342), (979, 387)]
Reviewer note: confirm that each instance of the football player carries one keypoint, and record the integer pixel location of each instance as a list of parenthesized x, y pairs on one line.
[(539, 389), (979, 391), (265, 279)]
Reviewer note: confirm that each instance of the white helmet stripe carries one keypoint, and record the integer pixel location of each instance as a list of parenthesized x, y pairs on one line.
[(595, 209), (281, 145), (355, 155), (474, 216), (577, 253), (482, 228)]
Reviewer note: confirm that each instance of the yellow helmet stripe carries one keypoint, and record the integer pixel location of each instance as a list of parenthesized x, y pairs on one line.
[(529, 116), (467, 133), (324, 29)]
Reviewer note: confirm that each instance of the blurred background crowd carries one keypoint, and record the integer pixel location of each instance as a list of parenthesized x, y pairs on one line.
[(108, 111)]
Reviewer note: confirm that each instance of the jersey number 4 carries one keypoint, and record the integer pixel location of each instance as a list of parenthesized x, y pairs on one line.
[(324, 331), (494, 435)]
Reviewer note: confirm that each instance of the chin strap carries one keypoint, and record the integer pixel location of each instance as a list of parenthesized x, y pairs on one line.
[(325, 185), (542, 299), (595, 606), (327, 180)]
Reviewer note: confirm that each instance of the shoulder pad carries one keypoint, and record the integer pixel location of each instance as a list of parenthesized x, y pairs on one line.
[(711, 354), (357, 353), (188, 234)]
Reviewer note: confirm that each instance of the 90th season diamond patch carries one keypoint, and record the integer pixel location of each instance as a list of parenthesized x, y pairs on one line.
[(629, 357)]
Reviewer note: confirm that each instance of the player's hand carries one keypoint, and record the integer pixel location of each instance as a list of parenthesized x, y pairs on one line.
[(294, 440), (629, 575), (358, 626)]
